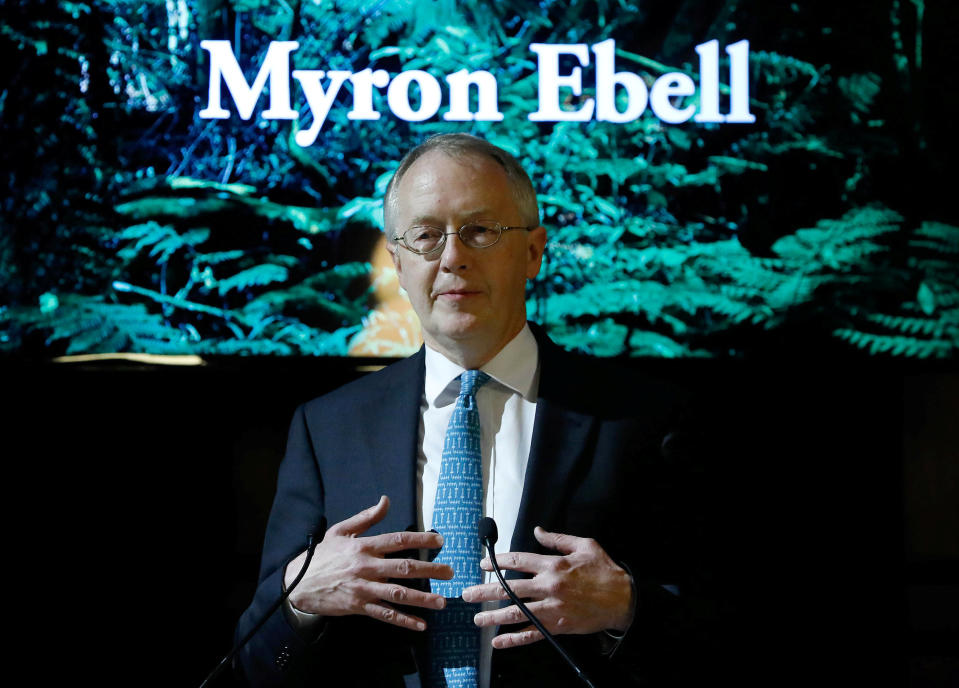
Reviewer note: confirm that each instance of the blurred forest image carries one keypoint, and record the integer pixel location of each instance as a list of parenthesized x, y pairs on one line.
[(130, 224)]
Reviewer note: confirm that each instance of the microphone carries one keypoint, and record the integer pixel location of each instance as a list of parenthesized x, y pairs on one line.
[(488, 535), (312, 540)]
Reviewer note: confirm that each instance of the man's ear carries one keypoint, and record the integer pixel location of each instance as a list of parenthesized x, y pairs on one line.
[(535, 246), (394, 254)]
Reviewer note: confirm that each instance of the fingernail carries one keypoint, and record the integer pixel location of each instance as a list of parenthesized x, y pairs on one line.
[(420, 626), (478, 619), (439, 603)]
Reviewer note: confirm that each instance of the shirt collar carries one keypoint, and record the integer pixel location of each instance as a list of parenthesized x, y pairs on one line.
[(513, 367)]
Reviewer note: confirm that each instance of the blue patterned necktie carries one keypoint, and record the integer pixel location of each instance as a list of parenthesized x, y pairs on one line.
[(454, 638)]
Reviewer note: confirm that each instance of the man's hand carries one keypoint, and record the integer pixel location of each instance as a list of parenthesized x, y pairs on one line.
[(348, 573), (583, 591)]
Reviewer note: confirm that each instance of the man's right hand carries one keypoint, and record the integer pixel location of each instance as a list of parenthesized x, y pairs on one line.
[(348, 573)]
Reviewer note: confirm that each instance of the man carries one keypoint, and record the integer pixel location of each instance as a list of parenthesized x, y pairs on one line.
[(564, 446)]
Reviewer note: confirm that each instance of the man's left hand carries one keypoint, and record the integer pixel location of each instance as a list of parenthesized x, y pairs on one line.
[(580, 591)]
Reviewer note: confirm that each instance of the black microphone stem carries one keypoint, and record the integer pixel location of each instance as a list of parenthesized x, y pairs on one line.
[(312, 541), (536, 622)]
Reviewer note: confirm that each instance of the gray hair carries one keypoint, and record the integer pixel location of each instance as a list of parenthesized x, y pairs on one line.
[(458, 146)]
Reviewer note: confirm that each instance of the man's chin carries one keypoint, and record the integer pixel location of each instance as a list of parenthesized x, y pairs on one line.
[(470, 345), (465, 328), (459, 331)]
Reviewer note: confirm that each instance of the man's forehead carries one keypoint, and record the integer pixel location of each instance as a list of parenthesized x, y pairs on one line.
[(424, 190), (468, 159)]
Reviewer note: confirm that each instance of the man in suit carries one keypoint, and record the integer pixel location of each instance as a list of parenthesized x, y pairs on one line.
[(566, 447)]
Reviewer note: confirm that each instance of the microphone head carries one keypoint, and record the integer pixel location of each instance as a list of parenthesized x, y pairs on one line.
[(487, 531)]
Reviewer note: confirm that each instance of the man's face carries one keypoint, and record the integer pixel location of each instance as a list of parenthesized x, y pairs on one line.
[(470, 301)]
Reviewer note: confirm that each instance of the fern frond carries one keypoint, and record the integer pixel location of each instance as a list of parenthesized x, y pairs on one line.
[(168, 245), (937, 266), (906, 325), (943, 237), (280, 259), (607, 334), (779, 68), (245, 347), (740, 312), (258, 275), (739, 292), (163, 239), (339, 276), (935, 246), (751, 275), (646, 343), (218, 257), (829, 241), (91, 325), (896, 345)]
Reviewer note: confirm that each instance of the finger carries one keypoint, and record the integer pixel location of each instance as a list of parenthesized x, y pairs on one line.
[(560, 542), (527, 636), (397, 542), (484, 593), (408, 568), (520, 561), (490, 592), (363, 521), (507, 615), (400, 594), (384, 612)]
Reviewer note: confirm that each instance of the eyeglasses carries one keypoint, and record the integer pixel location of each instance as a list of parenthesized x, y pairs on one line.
[(423, 239)]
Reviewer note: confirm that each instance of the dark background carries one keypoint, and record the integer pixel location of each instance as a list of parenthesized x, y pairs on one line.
[(824, 496)]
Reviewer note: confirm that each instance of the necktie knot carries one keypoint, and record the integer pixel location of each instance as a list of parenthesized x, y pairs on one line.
[(471, 381)]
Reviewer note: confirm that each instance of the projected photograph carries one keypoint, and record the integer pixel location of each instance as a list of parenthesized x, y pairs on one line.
[(718, 178)]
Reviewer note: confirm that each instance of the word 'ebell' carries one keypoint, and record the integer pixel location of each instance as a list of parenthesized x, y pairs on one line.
[(660, 97)]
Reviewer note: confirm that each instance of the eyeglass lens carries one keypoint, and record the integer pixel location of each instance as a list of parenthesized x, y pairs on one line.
[(476, 235)]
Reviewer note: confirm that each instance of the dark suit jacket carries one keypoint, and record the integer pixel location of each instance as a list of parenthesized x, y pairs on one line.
[(595, 470)]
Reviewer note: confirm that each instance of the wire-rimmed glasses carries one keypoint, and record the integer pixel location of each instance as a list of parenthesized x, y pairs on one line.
[(425, 239)]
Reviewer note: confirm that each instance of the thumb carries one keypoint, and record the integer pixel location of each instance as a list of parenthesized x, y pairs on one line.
[(364, 520), (557, 541)]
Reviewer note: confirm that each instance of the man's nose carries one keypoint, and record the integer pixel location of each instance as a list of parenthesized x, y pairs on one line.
[(455, 254)]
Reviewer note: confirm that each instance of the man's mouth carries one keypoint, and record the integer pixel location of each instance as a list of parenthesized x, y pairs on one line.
[(457, 294)]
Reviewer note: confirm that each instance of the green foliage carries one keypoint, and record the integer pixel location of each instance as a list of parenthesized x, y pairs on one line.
[(88, 324), (255, 276), (927, 324), (129, 223), (897, 345)]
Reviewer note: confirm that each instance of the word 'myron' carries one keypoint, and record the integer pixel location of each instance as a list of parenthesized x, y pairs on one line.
[(661, 97)]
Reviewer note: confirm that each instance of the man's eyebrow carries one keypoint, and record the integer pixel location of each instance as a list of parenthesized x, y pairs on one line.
[(424, 220), (434, 221)]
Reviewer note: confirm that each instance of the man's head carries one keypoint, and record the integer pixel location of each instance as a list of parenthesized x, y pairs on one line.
[(470, 301), (461, 146)]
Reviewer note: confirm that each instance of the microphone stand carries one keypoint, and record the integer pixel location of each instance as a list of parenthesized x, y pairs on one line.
[(312, 541), (488, 536)]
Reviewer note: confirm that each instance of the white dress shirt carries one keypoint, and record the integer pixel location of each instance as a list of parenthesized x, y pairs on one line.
[(507, 409)]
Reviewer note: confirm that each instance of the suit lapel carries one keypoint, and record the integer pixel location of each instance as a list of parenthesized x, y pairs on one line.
[(389, 434), (560, 439)]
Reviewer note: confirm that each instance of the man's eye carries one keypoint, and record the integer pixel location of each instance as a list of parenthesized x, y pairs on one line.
[(477, 230), (424, 234)]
